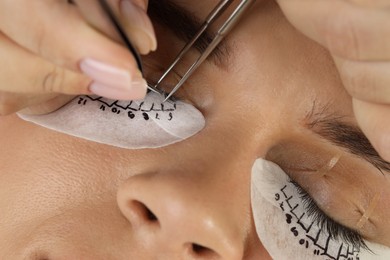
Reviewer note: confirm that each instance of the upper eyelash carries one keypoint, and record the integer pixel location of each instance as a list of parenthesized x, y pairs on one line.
[(174, 97), (334, 229), (163, 86)]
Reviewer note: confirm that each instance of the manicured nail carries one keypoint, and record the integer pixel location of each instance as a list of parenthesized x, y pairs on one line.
[(139, 26), (112, 82), (105, 73), (137, 91)]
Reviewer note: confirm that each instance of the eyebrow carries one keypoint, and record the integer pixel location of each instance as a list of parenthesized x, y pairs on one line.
[(184, 24), (332, 128)]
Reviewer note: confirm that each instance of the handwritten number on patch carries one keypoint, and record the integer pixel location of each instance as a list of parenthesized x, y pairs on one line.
[(132, 110), (82, 101)]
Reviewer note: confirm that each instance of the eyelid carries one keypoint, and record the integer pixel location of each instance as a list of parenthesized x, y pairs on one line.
[(335, 229), (322, 170)]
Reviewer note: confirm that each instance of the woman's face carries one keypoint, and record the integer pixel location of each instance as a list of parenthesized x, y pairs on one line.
[(268, 93)]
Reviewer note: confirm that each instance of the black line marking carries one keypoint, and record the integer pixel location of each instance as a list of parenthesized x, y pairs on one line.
[(131, 106), (323, 242)]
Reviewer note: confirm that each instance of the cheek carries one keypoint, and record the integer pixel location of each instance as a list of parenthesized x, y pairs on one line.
[(75, 233), (50, 176)]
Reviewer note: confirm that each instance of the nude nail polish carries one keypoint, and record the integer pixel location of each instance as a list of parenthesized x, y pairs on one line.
[(112, 82), (137, 91)]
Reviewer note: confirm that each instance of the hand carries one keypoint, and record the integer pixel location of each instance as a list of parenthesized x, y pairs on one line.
[(51, 50), (357, 34)]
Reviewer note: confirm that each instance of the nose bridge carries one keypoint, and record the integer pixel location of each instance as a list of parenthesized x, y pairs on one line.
[(172, 216), (230, 149)]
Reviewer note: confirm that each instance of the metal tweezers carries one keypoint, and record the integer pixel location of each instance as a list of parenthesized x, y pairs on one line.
[(226, 27)]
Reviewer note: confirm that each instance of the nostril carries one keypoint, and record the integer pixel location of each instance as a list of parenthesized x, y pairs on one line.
[(202, 252), (151, 216), (142, 211)]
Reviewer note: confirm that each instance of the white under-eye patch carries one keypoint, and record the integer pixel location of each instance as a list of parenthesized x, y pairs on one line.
[(128, 124), (286, 229)]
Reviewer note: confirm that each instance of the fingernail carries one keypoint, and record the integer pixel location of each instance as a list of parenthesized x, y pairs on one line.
[(137, 91), (140, 27), (113, 82), (105, 73)]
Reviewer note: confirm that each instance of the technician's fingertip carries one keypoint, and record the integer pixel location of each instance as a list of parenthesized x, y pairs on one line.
[(135, 92), (139, 26), (138, 89)]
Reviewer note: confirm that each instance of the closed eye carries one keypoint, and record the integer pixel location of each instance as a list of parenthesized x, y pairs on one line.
[(333, 228)]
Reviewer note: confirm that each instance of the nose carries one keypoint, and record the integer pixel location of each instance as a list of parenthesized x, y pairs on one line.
[(174, 221)]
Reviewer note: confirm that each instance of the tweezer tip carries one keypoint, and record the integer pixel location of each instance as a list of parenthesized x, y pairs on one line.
[(168, 98), (151, 88)]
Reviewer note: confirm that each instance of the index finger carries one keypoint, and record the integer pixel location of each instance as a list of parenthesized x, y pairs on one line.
[(56, 31), (61, 35), (133, 17), (353, 29)]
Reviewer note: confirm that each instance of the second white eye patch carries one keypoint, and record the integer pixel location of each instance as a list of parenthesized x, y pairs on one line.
[(286, 228)]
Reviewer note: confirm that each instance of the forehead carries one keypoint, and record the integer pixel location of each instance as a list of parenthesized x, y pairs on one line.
[(269, 59)]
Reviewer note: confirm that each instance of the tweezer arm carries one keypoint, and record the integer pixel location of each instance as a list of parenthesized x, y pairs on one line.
[(217, 11), (107, 9), (222, 32)]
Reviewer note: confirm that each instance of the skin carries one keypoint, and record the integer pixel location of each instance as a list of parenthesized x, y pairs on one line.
[(66, 198)]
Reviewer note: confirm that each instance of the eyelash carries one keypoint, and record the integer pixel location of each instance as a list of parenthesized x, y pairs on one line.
[(334, 229), (164, 86)]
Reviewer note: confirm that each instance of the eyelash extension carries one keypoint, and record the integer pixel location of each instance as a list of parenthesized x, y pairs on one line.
[(175, 97), (163, 86), (334, 229)]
